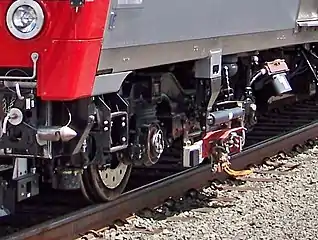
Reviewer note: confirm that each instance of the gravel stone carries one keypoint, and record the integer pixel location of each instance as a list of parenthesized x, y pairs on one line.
[(282, 209)]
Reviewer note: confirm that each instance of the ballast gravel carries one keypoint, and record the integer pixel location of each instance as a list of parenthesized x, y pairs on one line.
[(285, 207)]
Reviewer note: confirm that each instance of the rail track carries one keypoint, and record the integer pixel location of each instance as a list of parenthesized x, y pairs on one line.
[(277, 131)]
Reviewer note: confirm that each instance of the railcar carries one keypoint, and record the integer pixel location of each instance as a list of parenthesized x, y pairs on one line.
[(92, 88)]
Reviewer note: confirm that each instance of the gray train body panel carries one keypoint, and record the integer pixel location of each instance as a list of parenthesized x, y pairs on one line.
[(152, 32)]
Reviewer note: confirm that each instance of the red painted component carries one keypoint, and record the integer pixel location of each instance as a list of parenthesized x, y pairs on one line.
[(221, 136), (68, 47), (74, 69)]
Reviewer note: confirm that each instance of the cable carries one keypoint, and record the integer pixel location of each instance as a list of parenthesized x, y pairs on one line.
[(30, 126), (257, 75), (69, 116), (5, 123), (235, 173), (5, 82), (17, 89)]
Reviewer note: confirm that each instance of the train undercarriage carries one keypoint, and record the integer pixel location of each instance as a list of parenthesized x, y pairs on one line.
[(202, 109)]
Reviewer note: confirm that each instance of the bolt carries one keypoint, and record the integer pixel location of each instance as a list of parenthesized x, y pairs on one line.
[(123, 139), (123, 124), (105, 129), (106, 122), (14, 116), (210, 119)]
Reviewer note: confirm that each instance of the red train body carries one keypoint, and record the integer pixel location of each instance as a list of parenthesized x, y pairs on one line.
[(68, 45)]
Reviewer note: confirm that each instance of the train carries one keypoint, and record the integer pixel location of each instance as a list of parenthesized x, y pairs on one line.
[(91, 89)]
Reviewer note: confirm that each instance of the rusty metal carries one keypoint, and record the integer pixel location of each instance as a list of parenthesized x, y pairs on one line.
[(151, 195)]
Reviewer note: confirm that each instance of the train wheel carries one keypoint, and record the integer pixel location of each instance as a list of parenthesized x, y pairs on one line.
[(87, 188), (104, 184)]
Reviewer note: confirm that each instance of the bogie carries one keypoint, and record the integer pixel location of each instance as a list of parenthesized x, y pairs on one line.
[(194, 108), (80, 116)]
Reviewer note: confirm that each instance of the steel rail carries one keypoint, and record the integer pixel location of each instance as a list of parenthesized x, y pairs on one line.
[(151, 195)]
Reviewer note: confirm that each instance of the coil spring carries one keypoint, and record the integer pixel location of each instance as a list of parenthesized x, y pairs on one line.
[(6, 108)]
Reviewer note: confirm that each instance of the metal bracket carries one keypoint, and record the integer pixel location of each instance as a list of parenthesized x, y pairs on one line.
[(192, 154), (112, 20), (211, 68), (77, 3), (91, 121), (305, 25), (34, 58), (20, 167), (27, 186), (120, 118), (115, 124)]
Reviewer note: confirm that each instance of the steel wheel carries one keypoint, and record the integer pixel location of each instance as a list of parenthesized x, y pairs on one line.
[(87, 188), (106, 184)]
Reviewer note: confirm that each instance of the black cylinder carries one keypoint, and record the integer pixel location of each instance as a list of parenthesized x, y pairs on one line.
[(223, 116)]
